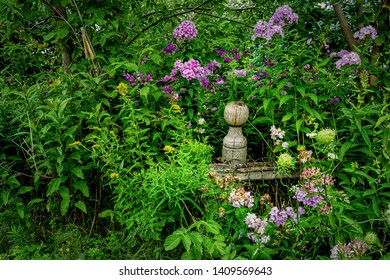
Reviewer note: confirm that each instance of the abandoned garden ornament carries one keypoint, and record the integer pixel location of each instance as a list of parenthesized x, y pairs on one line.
[(234, 148)]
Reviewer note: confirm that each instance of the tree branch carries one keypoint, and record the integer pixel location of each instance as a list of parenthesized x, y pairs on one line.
[(189, 10), (345, 28)]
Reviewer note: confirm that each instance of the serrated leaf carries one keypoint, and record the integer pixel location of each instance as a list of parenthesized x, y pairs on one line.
[(172, 241), (81, 205), (186, 242), (64, 192)]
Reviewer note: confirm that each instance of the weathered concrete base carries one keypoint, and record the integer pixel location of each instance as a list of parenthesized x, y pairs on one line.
[(251, 172)]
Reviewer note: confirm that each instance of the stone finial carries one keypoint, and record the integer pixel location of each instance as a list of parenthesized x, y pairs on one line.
[(235, 144)]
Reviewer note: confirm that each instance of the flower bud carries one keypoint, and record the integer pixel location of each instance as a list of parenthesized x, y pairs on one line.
[(371, 238), (286, 161)]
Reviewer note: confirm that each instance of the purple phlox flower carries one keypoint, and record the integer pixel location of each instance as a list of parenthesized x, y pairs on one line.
[(185, 31), (170, 49), (130, 79), (267, 29), (336, 99), (284, 13), (219, 81), (220, 52), (192, 70), (227, 59), (279, 217), (307, 66), (213, 65), (167, 90), (346, 58), (240, 73), (288, 85), (171, 77), (236, 57), (175, 96), (363, 32)]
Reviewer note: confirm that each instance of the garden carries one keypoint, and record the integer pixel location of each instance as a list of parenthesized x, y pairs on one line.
[(113, 118)]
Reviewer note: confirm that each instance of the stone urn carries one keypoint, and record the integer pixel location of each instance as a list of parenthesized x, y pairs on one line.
[(234, 148)]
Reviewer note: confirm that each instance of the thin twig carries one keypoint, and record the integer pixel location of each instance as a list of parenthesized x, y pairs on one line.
[(165, 18)]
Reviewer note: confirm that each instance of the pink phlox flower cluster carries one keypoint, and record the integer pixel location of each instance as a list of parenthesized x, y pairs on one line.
[(213, 65), (192, 70), (171, 77), (279, 217), (305, 156), (239, 197), (284, 13), (363, 32), (170, 49), (258, 226), (311, 190), (268, 29), (276, 133), (140, 80), (353, 249), (346, 58), (185, 31)]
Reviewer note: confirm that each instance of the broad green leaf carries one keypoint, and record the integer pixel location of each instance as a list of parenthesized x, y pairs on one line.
[(34, 201), (186, 242), (81, 205), (284, 99), (65, 205), (82, 187), (25, 189), (381, 120), (313, 97), (172, 241), (288, 116), (4, 196), (76, 171), (53, 186), (64, 192), (20, 209)]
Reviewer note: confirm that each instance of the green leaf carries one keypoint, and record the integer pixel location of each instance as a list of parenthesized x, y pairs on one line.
[(81, 205), (53, 186), (288, 116), (62, 107), (34, 201), (64, 192), (381, 120), (25, 189), (82, 187), (186, 242), (65, 205), (76, 171), (313, 97), (172, 241), (20, 209), (284, 99), (4, 196)]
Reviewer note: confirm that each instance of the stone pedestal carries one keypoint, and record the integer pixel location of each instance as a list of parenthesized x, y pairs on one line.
[(234, 148)]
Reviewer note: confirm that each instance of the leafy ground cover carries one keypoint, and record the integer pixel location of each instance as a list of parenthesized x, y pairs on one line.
[(111, 115)]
